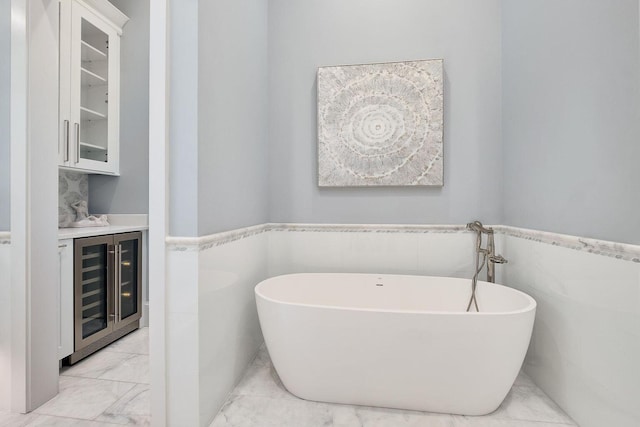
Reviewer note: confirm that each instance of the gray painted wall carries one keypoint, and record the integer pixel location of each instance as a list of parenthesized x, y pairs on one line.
[(183, 118), (551, 116), (232, 115), (218, 116), (304, 35), (5, 100), (129, 193), (571, 122)]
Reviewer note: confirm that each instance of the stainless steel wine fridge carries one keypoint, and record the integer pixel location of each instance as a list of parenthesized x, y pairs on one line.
[(107, 290)]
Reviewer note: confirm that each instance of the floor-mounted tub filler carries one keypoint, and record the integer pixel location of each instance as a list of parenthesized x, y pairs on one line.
[(395, 341)]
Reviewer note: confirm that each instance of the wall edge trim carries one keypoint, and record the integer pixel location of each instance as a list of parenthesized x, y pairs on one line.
[(623, 251)]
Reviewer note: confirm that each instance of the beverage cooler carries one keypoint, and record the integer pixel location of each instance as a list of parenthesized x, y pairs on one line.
[(107, 290)]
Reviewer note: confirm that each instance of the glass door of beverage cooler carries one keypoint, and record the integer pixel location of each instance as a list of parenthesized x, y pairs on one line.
[(128, 278), (93, 269)]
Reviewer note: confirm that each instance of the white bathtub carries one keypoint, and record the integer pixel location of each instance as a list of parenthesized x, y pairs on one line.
[(395, 341)]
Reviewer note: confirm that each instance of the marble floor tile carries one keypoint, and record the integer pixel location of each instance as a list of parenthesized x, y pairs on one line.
[(134, 408), (99, 391), (351, 416), (8, 419), (253, 411), (49, 421), (524, 380), (136, 342), (530, 404), (459, 421), (134, 369), (84, 398), (262, 358), (260, 399), (96, 365), (262, 380)]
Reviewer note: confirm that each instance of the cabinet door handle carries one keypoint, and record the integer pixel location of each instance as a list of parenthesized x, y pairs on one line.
[(77, 125), (119, 282), (66, 140), (112, 260)]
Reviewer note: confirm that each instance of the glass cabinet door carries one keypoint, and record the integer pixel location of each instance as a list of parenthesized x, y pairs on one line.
[(94, 92), (128, 277), (92, 89), (92, 290)]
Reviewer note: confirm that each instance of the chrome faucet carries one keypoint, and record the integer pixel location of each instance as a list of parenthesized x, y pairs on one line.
[(488, 252), (488, 256)]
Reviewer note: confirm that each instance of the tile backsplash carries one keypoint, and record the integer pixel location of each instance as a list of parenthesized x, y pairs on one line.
[(72, 187)]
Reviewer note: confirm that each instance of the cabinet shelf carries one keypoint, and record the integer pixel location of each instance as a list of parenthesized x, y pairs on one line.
[(93, 152), (93, 324), (87, 114), (93, 268), (92, 293), (90, 281), (89, 319), (91, 53), (92, 305), (89, 78), (91, 146)]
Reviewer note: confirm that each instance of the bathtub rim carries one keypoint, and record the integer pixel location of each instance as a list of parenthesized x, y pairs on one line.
[(530, 307)]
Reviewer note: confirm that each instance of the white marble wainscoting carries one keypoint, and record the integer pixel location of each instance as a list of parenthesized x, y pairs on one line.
[(261, 400), (422, 250), (586, 340), (109, 388), (212, 330), (5, 321)]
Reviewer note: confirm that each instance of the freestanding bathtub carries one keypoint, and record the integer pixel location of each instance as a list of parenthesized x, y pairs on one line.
[(395, 341)]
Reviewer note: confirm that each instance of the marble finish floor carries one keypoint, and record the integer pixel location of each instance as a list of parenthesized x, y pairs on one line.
[(109, 388), (260, 400)]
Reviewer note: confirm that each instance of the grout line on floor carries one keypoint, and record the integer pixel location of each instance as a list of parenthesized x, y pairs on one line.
[(61, 417), (103, 379)]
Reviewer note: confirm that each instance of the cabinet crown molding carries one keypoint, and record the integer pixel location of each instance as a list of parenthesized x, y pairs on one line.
[(108, 11)]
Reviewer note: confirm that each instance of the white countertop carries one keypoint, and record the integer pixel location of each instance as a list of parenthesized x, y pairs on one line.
[(74, 233), (119, 224)]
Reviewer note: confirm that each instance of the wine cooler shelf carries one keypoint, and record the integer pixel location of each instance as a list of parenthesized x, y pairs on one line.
[(108, 297)]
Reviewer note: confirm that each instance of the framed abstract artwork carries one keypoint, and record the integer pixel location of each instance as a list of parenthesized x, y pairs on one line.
[(381, 124)]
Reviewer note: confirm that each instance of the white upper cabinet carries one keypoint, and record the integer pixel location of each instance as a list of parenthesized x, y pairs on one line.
[(89, 138)]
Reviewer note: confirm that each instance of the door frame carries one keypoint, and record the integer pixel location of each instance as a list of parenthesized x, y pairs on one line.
[(34, 373), (158, 206), (34, 230)]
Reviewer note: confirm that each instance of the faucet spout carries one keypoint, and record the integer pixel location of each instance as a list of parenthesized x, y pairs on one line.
[(497, 259), (479, 228)]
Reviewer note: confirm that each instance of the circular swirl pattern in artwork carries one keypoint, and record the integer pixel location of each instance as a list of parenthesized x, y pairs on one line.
[(380, 124)]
